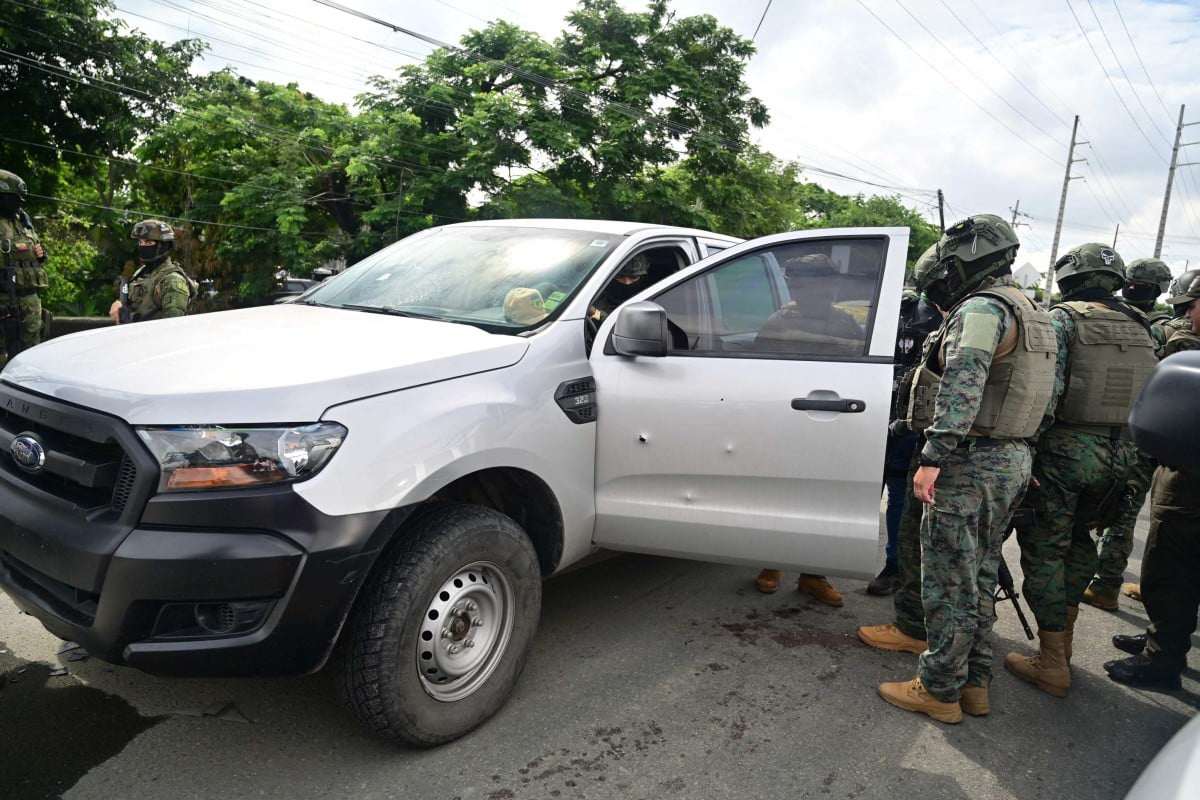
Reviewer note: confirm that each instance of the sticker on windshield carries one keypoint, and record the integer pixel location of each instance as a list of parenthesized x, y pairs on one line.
[(599, 243)]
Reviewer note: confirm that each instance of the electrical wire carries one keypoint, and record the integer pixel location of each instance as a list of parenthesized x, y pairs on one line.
[(1111, 83), (950, 82), (1132, 89), (758, 27)]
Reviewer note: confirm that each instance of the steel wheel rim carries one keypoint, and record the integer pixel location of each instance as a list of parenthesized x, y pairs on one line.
[(464, 631)]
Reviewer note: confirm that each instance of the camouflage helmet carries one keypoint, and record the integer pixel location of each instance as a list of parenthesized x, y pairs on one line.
[(1149, 270), (1090, 258), (11, 183), (1181, 284), (1192, 293), (983, 238), (153, 230), (636, 267)]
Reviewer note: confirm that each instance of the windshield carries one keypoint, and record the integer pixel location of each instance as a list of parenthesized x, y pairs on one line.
[(498, 277)]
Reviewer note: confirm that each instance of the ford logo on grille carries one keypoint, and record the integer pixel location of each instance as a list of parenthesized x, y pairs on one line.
[(28, 452)]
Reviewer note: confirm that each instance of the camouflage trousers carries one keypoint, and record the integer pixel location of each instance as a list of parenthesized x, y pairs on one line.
[(29, 313), (1116, 543), (961, 534), (1081, 480), (910, 611)]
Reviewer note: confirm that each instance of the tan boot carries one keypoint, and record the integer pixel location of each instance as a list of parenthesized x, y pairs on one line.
[(820, 589), (889, 637), (1048, 669), (1102, 597), (1072, 615), (911, 696), (974, 701), (1132, 590), (768, 580)]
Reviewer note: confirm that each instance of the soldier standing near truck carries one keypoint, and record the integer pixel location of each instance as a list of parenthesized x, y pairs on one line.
[(1146, 279), (159, 288), (1105, 354), (22, 258), (984, 385)]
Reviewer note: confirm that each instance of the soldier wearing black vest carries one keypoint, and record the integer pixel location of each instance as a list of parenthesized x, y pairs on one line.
[(1105, 354)]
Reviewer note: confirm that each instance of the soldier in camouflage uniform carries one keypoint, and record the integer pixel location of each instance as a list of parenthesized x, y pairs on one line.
[(22, 258), (1186, 338), (1145, 280), (1105, 354), (983, 388), (159, 288)]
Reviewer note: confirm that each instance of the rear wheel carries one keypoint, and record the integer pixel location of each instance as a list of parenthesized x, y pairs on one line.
[(443, 628)]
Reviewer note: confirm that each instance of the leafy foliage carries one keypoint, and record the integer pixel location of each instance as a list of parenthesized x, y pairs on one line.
[(639, 115)]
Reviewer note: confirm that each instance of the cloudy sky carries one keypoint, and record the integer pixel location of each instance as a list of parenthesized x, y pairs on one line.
[(975, 97)]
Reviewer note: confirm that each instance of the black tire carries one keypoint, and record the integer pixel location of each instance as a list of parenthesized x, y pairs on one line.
[(377, 670)]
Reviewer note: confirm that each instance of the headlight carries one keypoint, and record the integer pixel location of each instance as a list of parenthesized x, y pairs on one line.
[(195, 457)]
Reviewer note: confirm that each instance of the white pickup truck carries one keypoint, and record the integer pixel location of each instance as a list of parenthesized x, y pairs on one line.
[(385, 469)]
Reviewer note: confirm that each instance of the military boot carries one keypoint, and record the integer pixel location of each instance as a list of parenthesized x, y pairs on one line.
[(1102, 597), (1146, 672), (889, 637), (1048, 669), (1134, 645), (1072, 615), (820, 589), (974, 701), (767, 581), (912, 696)]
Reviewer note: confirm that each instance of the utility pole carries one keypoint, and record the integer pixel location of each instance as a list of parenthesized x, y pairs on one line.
[(1116, 233), (1062, 207), (1162, 220), (941, 211), (1016, 212)]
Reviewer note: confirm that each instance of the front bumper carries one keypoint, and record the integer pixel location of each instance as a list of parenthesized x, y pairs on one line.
[(259, 545), (91, 554)]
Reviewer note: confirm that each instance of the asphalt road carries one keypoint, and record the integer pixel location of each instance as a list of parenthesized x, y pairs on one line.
[(650, 678)]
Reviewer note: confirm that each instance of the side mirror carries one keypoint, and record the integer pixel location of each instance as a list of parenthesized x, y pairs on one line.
[(641, 330)]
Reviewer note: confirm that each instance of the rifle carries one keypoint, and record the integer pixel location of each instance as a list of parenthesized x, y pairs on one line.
[(124, 315), (1006, 590), (1023, 517), (12, 317)]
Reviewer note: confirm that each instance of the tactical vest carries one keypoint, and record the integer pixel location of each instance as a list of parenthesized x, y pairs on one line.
[(1111, 356), (17, 243), (145, 291), (1020, 382)]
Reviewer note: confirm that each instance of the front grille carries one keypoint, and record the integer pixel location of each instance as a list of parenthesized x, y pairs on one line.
[(69, 602), (85, 463), (126, 481)]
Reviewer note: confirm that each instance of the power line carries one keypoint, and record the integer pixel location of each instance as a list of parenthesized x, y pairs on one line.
[(974, 74), (758, 27), (1132, 89), (1111, 84), (1013, 75), (947, 80)]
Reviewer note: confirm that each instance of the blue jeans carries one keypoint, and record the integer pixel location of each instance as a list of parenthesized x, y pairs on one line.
[(896, 486)]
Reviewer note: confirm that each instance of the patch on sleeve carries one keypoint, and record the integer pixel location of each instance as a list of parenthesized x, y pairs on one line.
[(979, 330)]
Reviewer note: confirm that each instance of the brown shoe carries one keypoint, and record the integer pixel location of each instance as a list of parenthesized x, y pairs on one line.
[(889, 637), (974, 701), (1102, 597), (820, 589), (1048, 669), (912, 696), (768, 580), (1132, 590)]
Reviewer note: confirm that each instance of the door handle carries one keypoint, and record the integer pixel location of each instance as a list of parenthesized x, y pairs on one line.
[(846, 406)]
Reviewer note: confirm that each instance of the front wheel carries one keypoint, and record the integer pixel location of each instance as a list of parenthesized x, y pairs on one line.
[(443, 627)]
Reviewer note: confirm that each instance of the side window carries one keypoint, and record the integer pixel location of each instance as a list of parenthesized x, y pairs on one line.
[(811, 298), (637, 273)]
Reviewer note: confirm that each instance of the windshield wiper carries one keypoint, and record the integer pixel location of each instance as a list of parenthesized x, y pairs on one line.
[(390, 310)]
